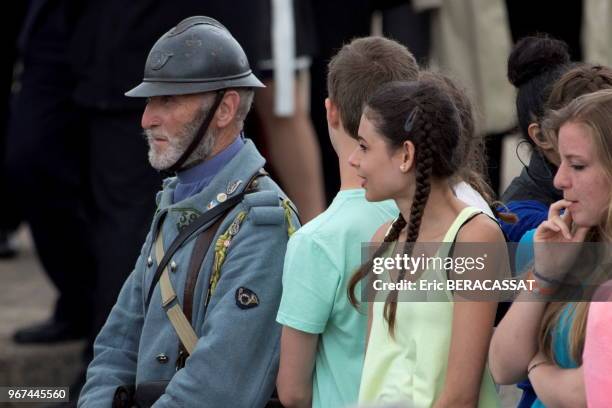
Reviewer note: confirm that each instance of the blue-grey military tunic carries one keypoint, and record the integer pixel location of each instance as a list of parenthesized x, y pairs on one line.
[(236, 358)]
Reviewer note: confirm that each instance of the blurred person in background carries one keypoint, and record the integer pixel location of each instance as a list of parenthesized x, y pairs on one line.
[(10, 214), (533, 67), (284, 105), (45, 164)]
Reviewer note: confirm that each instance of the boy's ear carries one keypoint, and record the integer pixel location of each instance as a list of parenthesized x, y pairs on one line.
[(333, 115)]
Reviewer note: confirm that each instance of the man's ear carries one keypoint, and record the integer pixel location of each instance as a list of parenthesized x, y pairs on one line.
[(407, 152), (538, 137), (333, 115), (226, 112)]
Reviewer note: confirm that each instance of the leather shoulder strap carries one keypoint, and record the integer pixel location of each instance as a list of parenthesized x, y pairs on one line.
[(200, 249), (181, 325)]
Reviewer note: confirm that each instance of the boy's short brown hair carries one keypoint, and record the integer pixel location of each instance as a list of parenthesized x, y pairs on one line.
[(360, 68)]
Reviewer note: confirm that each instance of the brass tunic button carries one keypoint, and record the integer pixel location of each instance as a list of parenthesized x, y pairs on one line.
[(173, 266), (149, 262), (221, 197), (162, 358)]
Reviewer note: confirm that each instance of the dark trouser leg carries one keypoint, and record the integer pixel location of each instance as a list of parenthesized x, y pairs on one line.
[(123, 187), (10, 214), (44, 162)]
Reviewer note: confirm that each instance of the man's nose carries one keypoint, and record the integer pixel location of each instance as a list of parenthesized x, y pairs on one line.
[(149, 117)]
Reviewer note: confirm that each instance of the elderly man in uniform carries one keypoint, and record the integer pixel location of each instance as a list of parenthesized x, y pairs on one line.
[(194, 325)]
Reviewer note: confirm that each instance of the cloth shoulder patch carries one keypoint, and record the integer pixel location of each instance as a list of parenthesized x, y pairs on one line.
[(262, 199), (267, 215), (264, 207)]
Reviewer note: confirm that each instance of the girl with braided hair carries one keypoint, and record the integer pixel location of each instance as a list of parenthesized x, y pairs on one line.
[(429, 353)]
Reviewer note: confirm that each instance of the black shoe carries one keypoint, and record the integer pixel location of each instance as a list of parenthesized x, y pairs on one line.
[(6, 248), (49, 331)]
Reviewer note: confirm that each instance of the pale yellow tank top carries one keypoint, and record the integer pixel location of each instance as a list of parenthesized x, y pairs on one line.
[(412, 367)]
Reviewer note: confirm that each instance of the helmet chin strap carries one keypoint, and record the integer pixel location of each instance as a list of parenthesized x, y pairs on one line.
[(199, 135)]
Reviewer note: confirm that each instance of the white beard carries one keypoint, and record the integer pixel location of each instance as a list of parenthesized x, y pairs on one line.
[(163, 158)]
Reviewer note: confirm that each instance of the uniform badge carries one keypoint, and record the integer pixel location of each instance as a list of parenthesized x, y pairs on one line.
[(233, 186), (246, 298), (221, 197), (234, 228), (158, 59)]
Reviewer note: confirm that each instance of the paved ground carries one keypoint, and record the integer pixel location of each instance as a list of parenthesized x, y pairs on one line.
[(26, 297)]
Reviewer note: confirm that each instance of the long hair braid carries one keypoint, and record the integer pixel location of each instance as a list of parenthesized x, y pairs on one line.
[(424, 137), (396, 228)]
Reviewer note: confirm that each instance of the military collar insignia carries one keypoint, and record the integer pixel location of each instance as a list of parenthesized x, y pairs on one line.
[(246, 298), (187, 216), (233, 186)]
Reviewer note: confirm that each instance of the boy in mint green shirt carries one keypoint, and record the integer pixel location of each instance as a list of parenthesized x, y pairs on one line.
[(323, 339)]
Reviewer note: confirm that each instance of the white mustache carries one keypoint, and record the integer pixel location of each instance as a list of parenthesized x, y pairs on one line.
[(157, 135)]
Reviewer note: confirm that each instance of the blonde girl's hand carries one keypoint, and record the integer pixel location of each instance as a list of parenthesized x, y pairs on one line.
[(557, 242)]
